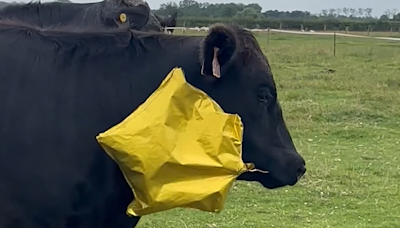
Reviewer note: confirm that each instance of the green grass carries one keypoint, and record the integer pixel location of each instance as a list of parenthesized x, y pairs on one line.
[(346, 124)]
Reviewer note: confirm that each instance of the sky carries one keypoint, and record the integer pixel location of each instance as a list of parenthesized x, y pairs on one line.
[(314, 6)]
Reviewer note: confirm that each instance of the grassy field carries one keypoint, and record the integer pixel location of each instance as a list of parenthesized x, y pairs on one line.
[(343, 112)]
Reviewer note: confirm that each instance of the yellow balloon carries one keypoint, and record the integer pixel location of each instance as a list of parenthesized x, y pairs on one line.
[(177, 149)]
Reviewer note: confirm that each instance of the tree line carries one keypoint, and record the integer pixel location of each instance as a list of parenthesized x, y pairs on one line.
[(193, 13), (193, 8)]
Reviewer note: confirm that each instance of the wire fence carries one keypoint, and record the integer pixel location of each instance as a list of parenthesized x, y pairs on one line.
[(268, 32)]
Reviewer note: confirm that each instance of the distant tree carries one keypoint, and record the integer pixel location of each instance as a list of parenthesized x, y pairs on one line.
[(230, 10), (346, 11), (353, 12), (255, 6), (396, 17), (167, 8), (338, 11), (187, 3), (388, 13), (324, 13), (368, 12), (393, 13), (360, 12), (384, 17), (248, 13), (332, 12)]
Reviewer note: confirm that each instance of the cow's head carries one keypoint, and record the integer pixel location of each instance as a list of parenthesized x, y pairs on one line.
[(237, 75), (170, 20), (125, 14), (174, 15)]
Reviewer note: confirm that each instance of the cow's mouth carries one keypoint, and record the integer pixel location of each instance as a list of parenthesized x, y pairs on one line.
[(267, 180)]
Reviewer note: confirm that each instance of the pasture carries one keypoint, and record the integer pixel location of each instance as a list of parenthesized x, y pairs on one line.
[(343, 113)]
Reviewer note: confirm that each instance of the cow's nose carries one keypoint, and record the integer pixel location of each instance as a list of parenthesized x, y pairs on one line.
[(301, 171)]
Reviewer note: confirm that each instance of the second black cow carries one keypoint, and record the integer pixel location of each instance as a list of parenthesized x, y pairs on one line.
[(105, 14)]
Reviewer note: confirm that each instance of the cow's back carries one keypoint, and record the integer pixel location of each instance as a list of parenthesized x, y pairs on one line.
[(53, 13)]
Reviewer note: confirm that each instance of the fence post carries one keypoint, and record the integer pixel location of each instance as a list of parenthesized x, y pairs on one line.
[(184, 27), (369, 30), (324, 27), (347, 29), (280, 26), (334, 44), (268, 33), (391, 30), (301, 27)]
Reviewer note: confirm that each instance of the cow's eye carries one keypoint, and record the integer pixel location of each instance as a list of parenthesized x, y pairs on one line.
[(263, 95)]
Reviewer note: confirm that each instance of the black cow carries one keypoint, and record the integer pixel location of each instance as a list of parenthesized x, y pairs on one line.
[(168, 21), (60, 87), (101, 14)]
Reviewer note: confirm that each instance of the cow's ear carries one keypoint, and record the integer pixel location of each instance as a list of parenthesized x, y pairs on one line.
[(136, 17), (218, 51)]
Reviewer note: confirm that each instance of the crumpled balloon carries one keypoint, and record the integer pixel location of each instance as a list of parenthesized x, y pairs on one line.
[(177, 149)]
